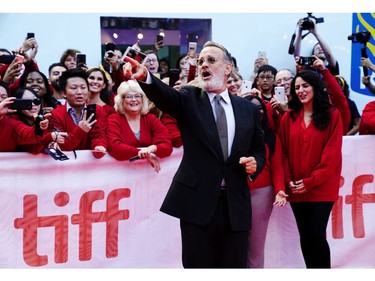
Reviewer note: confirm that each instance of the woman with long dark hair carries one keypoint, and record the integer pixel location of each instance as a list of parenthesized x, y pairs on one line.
[(23, 120), (311, 135)]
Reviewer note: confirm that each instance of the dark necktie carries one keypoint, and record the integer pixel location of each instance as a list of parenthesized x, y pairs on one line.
[(221, 124)]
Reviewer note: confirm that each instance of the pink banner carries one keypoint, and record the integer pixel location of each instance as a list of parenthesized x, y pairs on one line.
[(103, 213)]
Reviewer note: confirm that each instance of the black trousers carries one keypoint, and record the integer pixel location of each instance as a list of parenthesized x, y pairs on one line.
[(214, 245), (312, 219)]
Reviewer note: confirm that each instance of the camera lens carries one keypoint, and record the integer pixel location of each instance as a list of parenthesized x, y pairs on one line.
[(307, 24)]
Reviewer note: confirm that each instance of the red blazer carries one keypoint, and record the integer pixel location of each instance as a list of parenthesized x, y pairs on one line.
[(312, 155), (273, 172), (122, 143), (77, 138)]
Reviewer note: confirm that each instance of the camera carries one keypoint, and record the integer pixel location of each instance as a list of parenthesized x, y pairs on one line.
[(360, 37), (306, 61), (308, 23)]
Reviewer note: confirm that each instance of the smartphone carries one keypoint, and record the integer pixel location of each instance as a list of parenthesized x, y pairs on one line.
[(192, 48), (280, 94), (7, 59), (110, 47), (91, 109), (22, 104), (80, 59), (191, 73), (30, 35), (246, 86), (262, 54), (174, 76), (134, 54), (160, 40), (132, 159), (20, 58)]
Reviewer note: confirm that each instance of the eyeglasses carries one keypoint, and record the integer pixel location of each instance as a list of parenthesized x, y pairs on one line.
[(209, 59), (151, 61), (261, 77), (136, 96), (285, 79), (36, 101)]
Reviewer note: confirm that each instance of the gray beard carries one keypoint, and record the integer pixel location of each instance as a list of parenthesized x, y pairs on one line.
[(215, 83)]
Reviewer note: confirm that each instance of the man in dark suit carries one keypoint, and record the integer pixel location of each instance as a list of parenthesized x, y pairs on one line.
[(209, 193)]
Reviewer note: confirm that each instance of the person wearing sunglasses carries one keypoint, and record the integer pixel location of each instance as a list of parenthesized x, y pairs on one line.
[(38, 81), (35, 118), (223, 146)]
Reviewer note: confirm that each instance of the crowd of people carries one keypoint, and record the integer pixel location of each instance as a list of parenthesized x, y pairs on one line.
[(269, 151)]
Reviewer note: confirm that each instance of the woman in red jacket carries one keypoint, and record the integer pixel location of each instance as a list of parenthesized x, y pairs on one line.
[(311, 135), (267, 190), (132, 132), (30, 125)]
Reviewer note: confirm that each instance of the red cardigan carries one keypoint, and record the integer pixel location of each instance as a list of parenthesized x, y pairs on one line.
[(77, 138), (122, 143), (273, 172), (312, 155)]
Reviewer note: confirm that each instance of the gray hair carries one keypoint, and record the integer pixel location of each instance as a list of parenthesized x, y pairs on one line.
[(227, 55)]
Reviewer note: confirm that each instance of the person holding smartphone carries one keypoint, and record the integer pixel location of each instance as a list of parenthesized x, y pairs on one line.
[(68, 58), (37, 120), (84, 132)]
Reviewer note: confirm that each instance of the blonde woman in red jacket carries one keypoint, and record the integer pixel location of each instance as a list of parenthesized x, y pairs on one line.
[(133, 132), (311, 135)]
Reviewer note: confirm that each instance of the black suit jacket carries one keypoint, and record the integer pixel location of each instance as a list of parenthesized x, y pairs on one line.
[(195, 189)]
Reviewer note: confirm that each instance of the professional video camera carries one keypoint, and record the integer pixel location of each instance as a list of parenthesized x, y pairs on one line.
[(308, 23), (360, 37)]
